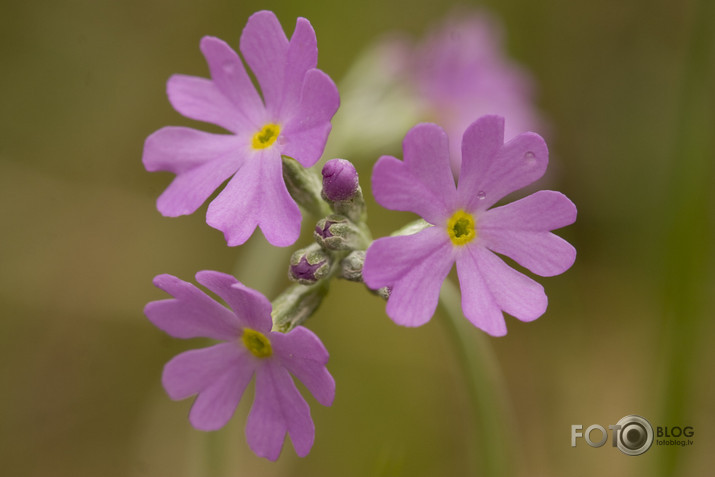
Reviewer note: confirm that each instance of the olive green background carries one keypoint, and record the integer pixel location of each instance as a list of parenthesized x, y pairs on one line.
[(628, 87)]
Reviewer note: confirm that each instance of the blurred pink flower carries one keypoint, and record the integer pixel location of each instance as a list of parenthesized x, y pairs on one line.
[(220, 374), (458, 72), (461, 72)]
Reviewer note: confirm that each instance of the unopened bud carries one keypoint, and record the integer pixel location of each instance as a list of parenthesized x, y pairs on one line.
[(351, 266), (309, 265), (336, 232), (340, 180), (342, 190), (383, 292)]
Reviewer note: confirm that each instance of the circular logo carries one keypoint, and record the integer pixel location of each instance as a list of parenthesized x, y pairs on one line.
[(635, 435)]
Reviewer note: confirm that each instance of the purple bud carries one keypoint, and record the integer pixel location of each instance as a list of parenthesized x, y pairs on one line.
[(340, 179), (336, 232), (323, 230), (304, 271)]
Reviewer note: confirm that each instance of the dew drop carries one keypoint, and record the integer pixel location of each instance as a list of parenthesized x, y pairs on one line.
[(481, 195), (530, 158), (281, 140)]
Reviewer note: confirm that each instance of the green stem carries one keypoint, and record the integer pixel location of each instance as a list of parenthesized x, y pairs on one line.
[(214, 464), (493, 420), (296, 304), (688, 240), (304, 185)]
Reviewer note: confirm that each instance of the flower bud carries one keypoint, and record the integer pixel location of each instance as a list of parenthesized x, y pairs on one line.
[(340, 180), (309, 265), (336, 232), (342, 190), (383, 292), (351, 266)]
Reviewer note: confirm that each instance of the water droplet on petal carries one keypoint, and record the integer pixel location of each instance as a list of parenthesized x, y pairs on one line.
[(281, 140), (481, 195), (228, 67), (530, 158)]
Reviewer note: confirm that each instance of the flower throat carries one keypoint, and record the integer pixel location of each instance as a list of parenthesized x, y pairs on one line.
[(257, 343), (460, 228), (266, 136)]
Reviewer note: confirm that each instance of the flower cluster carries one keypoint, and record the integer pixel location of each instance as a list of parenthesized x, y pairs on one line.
[(291, 118), (272, 140)]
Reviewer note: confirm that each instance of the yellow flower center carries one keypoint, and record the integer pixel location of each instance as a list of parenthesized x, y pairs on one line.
[(460, 228), (257, 343), (266, 136)]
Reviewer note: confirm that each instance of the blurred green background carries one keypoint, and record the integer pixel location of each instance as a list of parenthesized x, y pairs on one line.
[(628, 87)]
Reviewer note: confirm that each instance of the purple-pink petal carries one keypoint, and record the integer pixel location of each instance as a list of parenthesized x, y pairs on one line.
[(236, 210), (302, 56), (543, 253), (200, 160), (257, 196), (414, 267), (422, 183), (189, 190), (232, 80), (217, 400), (302, 353), (252, 309), (487, 174), (306, 132), (541, 211), (278, 408), (200, 99), (193, 371), (389, 258), (191, 313), (489, 285), (179, 149), (478, 304), (521, 231), (265, 47), (481, 142)]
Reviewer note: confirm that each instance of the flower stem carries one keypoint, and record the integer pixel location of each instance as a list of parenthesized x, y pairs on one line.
[(214, 454), (493, 420), (688, 252), (296, 304), (304, 185)]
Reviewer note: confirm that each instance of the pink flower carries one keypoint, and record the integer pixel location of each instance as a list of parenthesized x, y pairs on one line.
[(464, 230), (290, 118), (462, 71), (219, 374)]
